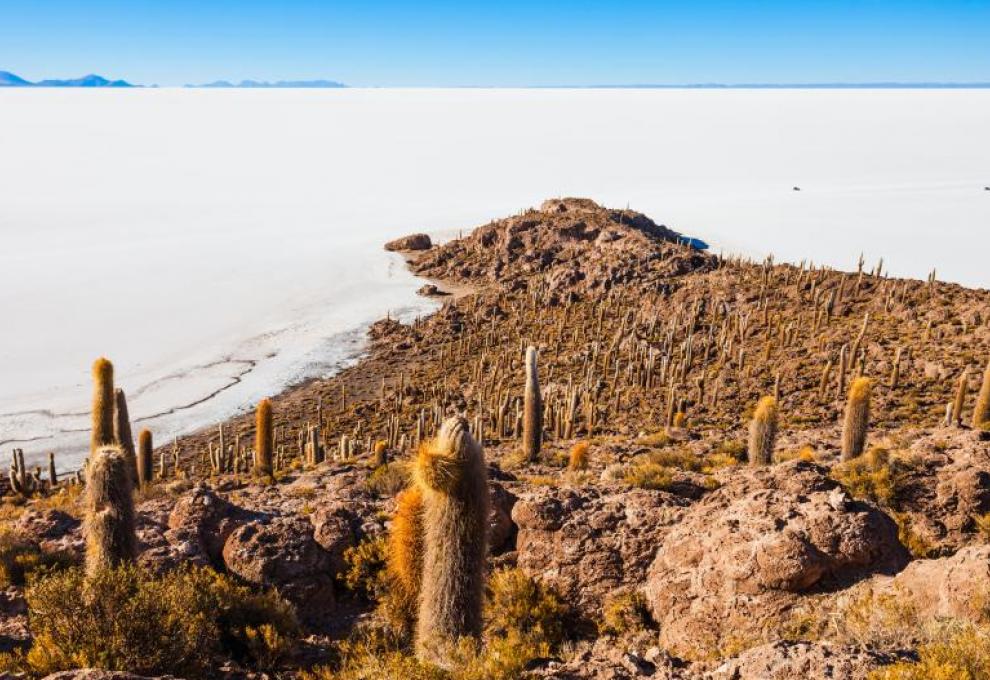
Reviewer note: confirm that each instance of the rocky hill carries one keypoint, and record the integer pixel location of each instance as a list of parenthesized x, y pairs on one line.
[(666, 526)]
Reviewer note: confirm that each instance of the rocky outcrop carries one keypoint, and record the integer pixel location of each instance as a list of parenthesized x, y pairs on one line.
[(612, 659), (947, 587), (201, 521), (787, 660), (735, 565), (411, 242), (283, 554), (586, 542), (96, 674)]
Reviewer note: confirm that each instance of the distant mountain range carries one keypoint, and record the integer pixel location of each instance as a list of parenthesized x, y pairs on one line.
[(8, 79), (280, 83)]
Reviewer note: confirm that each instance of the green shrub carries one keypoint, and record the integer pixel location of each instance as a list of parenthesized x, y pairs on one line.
[(365, 565), (517, 603), (126, 618)]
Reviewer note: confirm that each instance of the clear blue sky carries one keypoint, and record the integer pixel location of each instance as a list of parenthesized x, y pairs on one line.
[(445, 42)]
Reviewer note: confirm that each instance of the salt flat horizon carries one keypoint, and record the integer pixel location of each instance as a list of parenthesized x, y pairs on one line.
[(232, 238)]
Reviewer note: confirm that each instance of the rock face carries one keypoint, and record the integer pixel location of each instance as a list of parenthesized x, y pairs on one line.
[(588, 542), (201, 522), (411, 242), (787, 660), (734, 566), (608, 659), (283, 554), (948, 587)]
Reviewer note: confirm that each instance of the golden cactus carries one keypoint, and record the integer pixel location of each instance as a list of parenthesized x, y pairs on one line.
[(981, 413), (405, 555), (145, 473), (959, 402), (122, 428), (578, 458), (857, 418), (763, 432), (103, 405), (263, 438), (451, 474)]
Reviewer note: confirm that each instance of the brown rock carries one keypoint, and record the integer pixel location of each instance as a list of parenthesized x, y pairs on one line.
[(587, 542), (411, 242), (283, 554), (201, 522), (736, 563), (95, 674), (786, 660)]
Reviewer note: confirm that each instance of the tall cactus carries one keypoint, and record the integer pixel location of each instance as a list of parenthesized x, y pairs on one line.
[(109, 522), (532, 408), (263, 438), (959, 402), (145, 474), (122, 428), (451, 474), (405, 555), (857, 418), (981, 413), (763, 432), (103, 405)]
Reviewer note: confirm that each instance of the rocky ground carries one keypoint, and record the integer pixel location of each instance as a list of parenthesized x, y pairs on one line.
[(674, 556)]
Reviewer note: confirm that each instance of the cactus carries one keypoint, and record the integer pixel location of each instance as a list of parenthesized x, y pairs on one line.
[(405, 555), (532, 408), (52, 474), (263, 442), (122, 428), (20, 481), (451, 474), (763, 432), (857, 418), (144, 471), (379, 456), (981, 412), (103, 405), (109, 523), (962, 388)]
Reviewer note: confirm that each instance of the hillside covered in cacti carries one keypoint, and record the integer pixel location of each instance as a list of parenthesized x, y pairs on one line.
[(607, 455)]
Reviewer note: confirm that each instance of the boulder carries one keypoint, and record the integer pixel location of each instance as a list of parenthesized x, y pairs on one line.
[(586, 542), (734, 566), (282, 553), (335, 529), (411, 242), (95, 674), (201, 522)]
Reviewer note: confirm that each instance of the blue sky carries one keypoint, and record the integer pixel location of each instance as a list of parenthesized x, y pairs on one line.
[(511, 43)]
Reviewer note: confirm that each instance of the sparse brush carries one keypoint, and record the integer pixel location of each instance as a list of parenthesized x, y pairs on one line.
[(857, 418), (145, 447), (103, 405), (578, 458), (451, 474), (532, 408), (763, 432), (263, 442), (379, 456), (122, 428), (981, 413), (109, 523), (959, 402)]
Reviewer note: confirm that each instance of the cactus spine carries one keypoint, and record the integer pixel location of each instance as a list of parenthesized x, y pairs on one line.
[(763, 432), (451, 474), (857, 418), (405, 554), (109, 523), (981, 413), (532, 408), (144, 471), (103, 405), (263, 442)]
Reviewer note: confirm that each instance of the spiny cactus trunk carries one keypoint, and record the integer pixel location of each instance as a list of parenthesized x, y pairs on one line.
[(981, 413), (263, 442), (144, 466), (532, 408), (122, 428), (405, 555), (103, 405), (959, 403), (109, 522), (450, 472), (763, 432), (857, 418)]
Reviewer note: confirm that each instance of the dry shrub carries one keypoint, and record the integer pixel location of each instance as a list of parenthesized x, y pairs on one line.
[(389, 479), (365, 564), (646, 475), (625, 611), (126, 618), (578, 457), (872, 476), (956, 651), (21, 558)]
